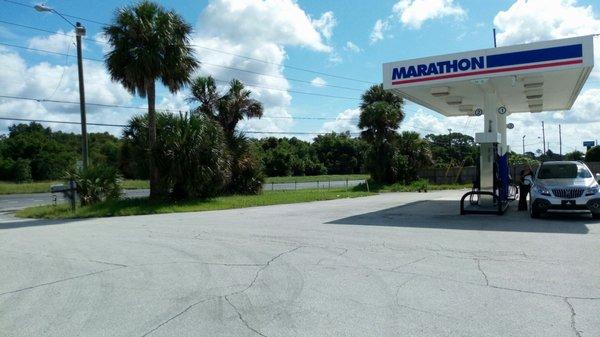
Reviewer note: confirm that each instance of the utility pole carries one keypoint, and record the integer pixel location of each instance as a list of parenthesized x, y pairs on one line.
[(79, 32), (544, 137), (524, 144), (559, 140)]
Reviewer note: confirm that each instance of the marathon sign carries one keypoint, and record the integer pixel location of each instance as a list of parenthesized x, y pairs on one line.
[(503, 61)]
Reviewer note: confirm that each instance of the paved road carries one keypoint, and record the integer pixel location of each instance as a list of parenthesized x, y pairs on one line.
[(387, 265), (13, 202)]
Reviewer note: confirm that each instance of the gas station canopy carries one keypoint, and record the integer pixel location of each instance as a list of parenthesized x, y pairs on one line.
[(534, 77), (494, 83)]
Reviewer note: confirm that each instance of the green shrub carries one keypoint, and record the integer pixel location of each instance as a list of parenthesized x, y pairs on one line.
[(192, 156), (21, 170), (6, 169), (247, 175), (421, 185), (593, 154), (96, 183), (314, 168)]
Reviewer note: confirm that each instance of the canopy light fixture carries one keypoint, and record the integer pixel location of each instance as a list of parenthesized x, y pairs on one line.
[(465, 108), (533, 85), (440, 91), (537, 107), (534, 94), (454, 100)]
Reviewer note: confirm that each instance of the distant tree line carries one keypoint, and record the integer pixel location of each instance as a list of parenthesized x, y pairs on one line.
[(34, 152)]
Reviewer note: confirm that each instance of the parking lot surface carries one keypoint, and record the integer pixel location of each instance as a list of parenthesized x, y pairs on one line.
[(395, 264)]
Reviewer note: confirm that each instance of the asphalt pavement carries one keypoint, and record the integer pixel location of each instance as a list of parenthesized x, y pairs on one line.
[(395, 264)]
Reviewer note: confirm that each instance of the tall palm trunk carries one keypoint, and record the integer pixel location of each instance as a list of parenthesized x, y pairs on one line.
[(154, 174)]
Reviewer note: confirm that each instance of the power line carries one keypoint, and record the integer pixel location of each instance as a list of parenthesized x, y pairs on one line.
[(47, 51), (227, 53), (124, 125), (43, 100), (63, 14), (252, 85), (57, 101), (283, 65), (203, 62)]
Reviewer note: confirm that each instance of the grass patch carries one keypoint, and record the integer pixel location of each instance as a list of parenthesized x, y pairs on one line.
[(139, 206), (304, 179), (135, 184), (33, 187), (44, 186), (413, 187)]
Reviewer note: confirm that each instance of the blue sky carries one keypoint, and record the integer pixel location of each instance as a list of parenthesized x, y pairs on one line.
[(344, 38)]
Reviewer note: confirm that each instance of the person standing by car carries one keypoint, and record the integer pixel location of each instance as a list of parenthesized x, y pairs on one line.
[(525, 187)]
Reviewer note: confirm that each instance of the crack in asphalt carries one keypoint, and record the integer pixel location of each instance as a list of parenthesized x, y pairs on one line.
[(487, 282), (200, 262), (178, 314), (263, 267), (59, 281), (260, 270), (344, 251), (573, 326), (63, 257), (411, 262), (241, 318)]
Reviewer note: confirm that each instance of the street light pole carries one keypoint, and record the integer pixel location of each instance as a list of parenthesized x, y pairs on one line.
[(79, 32), (524, 144)]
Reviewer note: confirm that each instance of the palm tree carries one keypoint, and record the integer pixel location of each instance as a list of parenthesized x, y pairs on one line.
[(380, 117), (148, 44), (228, 109), (204, 91), (376, 93)]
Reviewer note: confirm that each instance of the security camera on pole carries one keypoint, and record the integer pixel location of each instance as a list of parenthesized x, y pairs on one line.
[(79, 32)]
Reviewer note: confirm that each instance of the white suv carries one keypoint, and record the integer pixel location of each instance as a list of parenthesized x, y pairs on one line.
[(564, 186)]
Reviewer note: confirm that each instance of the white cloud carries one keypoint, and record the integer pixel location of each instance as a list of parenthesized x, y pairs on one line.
[(413, 13), (261, 30), (13, 68), (318, 82), (57, 82), (350, 46), (278, 21), (102, 40), (346, 120), (334, 57), (325, 24), (58, 43), (380, 27), (537, 20), (174, 102), (426, 123)]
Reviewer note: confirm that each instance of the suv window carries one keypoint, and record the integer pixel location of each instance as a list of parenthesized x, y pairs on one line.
[(563, 171)]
